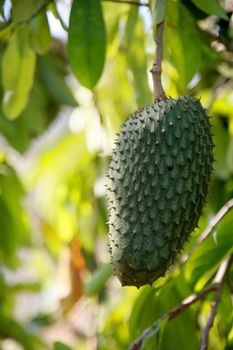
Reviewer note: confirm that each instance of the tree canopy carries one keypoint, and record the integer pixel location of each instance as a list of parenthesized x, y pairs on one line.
[(71, 73)]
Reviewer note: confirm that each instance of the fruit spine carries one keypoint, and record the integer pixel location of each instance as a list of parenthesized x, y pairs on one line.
[(156, 186)]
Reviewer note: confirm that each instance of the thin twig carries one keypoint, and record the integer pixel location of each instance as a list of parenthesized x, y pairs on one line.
[(219, 282), (215, 220), (187, 302), (156, 70), (213, 223), (191, 299), (135, 3), (210, 321)]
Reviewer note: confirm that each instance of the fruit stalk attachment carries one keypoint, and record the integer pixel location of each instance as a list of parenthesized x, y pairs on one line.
[(156, 70)]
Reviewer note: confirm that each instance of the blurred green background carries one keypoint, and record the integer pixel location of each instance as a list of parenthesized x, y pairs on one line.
[(62, 105)]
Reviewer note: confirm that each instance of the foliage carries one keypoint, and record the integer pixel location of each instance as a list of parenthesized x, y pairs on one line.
[(56, 135)]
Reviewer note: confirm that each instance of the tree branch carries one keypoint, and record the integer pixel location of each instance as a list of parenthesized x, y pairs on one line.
[(156, 70), (219, 282), (215, 220), (191, 299), (216, 285), (135, 3), (213, 223)]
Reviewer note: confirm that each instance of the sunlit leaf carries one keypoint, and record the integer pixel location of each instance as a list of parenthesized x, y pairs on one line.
[(159, 12), (23, 10), (6, 31), (86, 41), (179, 31), (40, 37), (18, 67), (135, 53), (14, 223), (52, 72)]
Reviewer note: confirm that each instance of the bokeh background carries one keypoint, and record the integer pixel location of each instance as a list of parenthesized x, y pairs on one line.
[(56, 136)]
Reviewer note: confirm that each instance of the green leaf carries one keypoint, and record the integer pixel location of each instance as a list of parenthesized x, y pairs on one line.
[(222, 142), (18, 67), (98, 280), (14, 223), (40, 37), (5, 33), (52, 72), (230, 155), (86, 41), (61, 346), (19, 132), (135, 53), (9, 328), (25, 287), (138, 308), (159, 9), (180, 30), (212, 7), (2, 9), (23, 10)]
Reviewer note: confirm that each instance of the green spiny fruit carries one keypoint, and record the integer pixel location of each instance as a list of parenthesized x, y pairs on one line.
[(156, 186)]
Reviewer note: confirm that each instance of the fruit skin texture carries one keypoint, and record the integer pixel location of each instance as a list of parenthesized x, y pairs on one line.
[(156, 186)]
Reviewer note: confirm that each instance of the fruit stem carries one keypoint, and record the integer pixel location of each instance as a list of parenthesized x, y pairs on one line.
[(156, 70)]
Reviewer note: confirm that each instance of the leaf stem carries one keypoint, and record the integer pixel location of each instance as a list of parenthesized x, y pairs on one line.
[(156, 70)]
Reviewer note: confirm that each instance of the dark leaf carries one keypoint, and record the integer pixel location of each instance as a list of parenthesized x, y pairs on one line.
[(23, 10), (52, 72), (86, 41), (212, 7)]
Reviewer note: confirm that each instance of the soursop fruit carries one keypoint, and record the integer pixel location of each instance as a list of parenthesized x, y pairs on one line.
[(156, 186)]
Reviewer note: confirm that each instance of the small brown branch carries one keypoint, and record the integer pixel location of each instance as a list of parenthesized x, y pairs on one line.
[(191, 299), (215, 220), (128, 2), (156, 70), (216, 286), (219, 282), (137, 344)]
